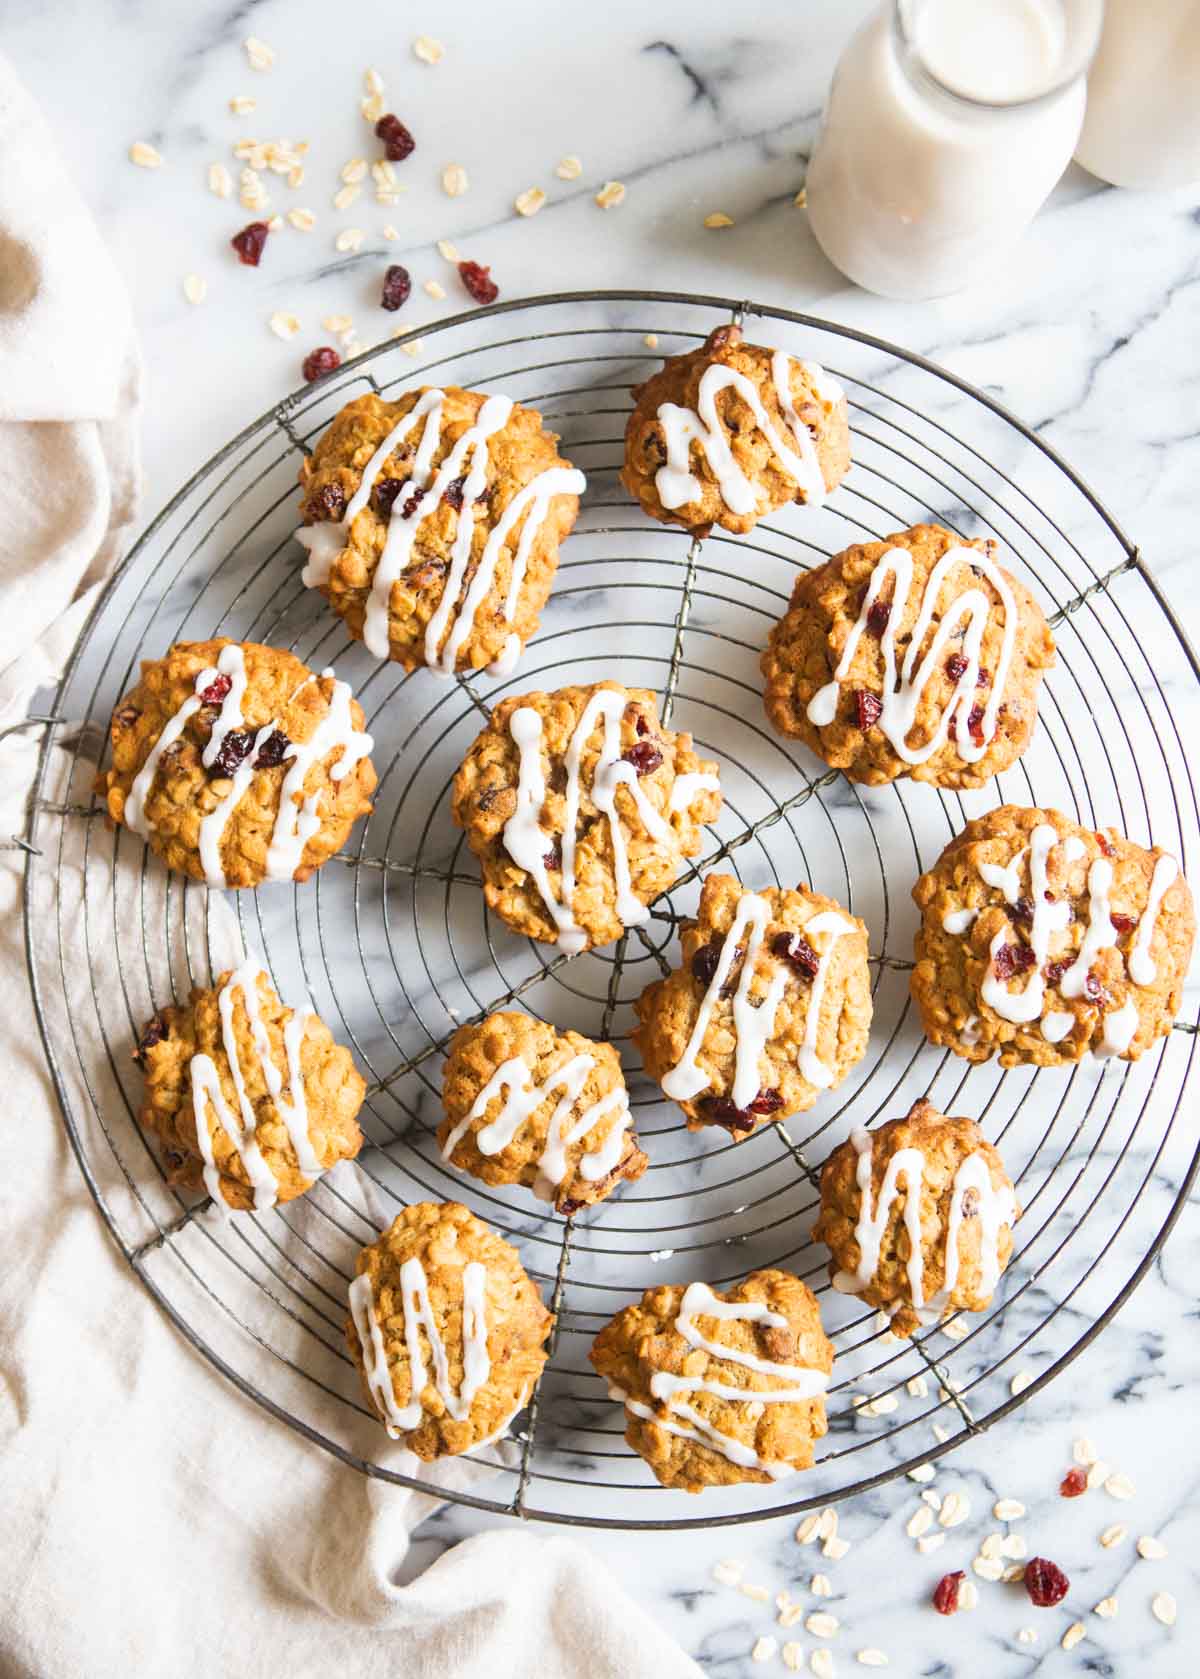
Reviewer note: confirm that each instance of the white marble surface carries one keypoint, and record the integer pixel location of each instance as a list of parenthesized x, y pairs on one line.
[(1090, 333)]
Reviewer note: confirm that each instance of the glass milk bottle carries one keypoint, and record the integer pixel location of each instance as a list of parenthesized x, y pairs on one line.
[(947, 125), (1142, 127)]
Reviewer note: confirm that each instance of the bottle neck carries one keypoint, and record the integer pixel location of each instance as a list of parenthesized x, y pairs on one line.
[(993, 60)]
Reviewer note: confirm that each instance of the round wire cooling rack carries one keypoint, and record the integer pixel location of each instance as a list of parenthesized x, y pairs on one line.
[(392, 945)]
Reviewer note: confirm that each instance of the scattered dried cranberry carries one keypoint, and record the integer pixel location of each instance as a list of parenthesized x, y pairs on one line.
[(272, 750), (385, 492), (644, 756), (982, 679), (766, 1102), (877, 617), (152, 1033), (454, 492), (324, 359), (234, 748), (1073, 1483), (412, 503), (640, 724), (331, 499), (975, 724), (1012, 959), (1045, 1582), (398, 143), (553, 857), (704, 962), (1123, 923), (722, 1111), (397, 284), (249, 243), (1054, 971), (478, 281), (795, 948), (570, 1206), (945, 1593), (216, 690), (870, 708), (1095, 992), (956, 667), (1102, 842), (1022, 911)]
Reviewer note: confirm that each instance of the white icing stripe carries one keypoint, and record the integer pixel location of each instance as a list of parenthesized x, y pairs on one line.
[(241, 1128), (374, 1354), (422, 494), (418, 1316), (675, 482), (994, 1208), (528, 843), (212, 826), (800, 1382), (139, 792), (1120, 1029), (521, 1098), (688, 787), (753, 1024), (296, 823), (1142, 968), (958, 920), (1047, 918), (901, 698)]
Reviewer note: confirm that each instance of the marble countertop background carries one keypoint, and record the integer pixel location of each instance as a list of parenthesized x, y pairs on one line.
[(1091, 333)]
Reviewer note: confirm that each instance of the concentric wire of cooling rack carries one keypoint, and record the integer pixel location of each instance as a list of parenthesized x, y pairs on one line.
[(392, 944)]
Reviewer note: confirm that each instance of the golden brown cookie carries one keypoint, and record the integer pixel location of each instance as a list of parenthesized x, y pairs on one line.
[(918, 1216), (527, 1104), (728, 433), (248, 1098), (237, 764), (919, 655), (771, 1006), (433, 522), (581, 807), (446, 1329), (1043, 940), (720, 1388)]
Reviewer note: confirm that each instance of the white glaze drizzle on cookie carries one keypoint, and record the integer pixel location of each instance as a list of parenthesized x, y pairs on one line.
[(1049, 916), (528, 843), (994, 1207), (298, 820), (802, 1382), (421, 495), (513, 1082), (418, 1317), (242, 1127), (675, 482), (901, 698), (687, 789), (754, 1024)]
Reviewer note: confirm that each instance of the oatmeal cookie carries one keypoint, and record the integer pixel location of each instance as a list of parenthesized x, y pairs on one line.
[(581, 807), (728, 433), (248, 1098), (919, 655), (432, 525), (237, 764), (527, 1104), (446, 1329), (1042, 940), (771, 1006), (918, 1217), (720, 1388)]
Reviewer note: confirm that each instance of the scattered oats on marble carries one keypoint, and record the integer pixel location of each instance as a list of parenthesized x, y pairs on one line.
[(349, 239), (1113, 1535), (1120, 1486), (1012, 1575), (390, 232), (918, 1387), (284, 325), (955, 1329), (940, 1434), (933, 1499), (718, 218), (428, 49), (336, 323), (801, 199), (992, 1545), (569, 168), (791, 1614), (145, 155), (372, 81), (1098, 1473), (436, 289), (1014, 1545), (1084, 1452), (1163, 1608), (258, 53), (1075, 1634), (835, 1548), (651, 341), (1106, 1608), (730, 1571), (344, 197), (220, 181), (454, 180), (274, 224), (919, 1522), (611, 194), (932, 1542), (756, 1593), (871, 1658), (821, 1663), (1027, 1635), (923, 1472), (987, 1568), (528, 203), (955, 1509), (303, 220), (1152, 1549), (827, 1523), (447, 250), (822, 1624), (764, 1649), (372, 107), (1020, 1382), (884, 1405), (820, 1587), (793, 1656), (353, 171), (968, 1594), (1008, 1510), (808, 1529), (195, 288), (384, 175)]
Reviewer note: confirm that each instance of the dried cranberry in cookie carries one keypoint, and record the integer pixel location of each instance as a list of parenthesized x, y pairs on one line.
[(237, 764), (917, 1215), (728, 433), (1042, 940), (581, 807), (720, 1388), (779, 1016), (453, 572), (919, 655)]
